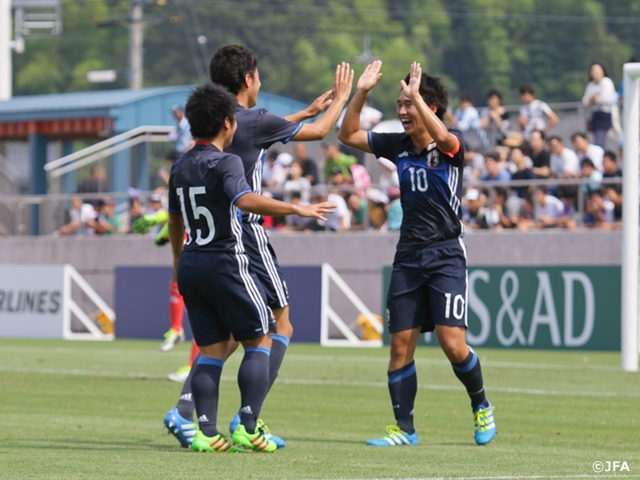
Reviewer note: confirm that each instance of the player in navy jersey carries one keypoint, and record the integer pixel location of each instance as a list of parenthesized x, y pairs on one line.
[(236, 67), (207, 190), (428, 289)]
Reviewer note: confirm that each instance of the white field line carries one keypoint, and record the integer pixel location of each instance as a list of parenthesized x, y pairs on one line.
[(323, 358), (327, 383), (512, 477)]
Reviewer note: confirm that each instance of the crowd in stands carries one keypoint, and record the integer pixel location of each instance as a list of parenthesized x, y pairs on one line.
[(505, 156)]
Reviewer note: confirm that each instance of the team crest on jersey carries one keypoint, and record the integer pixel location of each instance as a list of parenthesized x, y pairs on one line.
[(433, 159)]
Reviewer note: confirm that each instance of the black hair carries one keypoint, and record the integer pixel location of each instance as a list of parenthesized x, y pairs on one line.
[(588, 162), (432, 90), (527, 88), (611, 155), (579, 134), (556, 137), (604, 70), (500, 192), (230, 65), (542, 134), (495, 156), (466, 97), (494, 92), (207, 108)]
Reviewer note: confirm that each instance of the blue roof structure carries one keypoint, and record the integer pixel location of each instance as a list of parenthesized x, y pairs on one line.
[(128, 108)]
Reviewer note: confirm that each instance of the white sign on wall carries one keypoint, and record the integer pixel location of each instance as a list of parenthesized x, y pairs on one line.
[(31, 301), (36, 302)]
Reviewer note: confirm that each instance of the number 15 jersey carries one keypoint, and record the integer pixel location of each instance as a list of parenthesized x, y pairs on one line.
[(203, 186), (430, 188)]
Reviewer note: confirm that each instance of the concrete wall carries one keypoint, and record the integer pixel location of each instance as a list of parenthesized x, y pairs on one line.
[(358, 257)]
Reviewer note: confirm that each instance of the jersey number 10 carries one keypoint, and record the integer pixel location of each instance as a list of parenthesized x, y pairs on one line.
[(418, 179)]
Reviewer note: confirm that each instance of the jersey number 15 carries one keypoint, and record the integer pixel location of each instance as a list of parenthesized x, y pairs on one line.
[(197, 213)]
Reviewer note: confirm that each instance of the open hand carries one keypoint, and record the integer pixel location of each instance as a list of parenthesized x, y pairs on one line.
[(415, 76), (343, 82), (320, 103), (317, 210), (370, 76)]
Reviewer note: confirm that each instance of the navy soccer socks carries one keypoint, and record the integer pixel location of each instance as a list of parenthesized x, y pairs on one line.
[(185, 402), (470, 374), (278, 349), (403, 386), (253, 380), (206, 387)]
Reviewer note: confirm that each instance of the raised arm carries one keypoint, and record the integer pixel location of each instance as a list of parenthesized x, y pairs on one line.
[(313, 110), (350, 132), (319, 129), (445, 140)]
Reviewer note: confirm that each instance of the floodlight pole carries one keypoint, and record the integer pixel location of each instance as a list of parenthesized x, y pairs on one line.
[(629, 339), (6, 67)]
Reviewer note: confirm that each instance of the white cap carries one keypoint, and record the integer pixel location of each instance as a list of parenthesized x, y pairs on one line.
[(472, 194), (285, 159)]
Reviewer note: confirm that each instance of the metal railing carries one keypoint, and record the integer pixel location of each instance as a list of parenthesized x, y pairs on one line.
[(52, 208)]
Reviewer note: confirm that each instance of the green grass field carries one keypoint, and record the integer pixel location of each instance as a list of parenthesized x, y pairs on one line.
[(94, 410)]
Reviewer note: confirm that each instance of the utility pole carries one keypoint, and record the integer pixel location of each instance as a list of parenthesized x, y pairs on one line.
[(6, 66), (135, 45)]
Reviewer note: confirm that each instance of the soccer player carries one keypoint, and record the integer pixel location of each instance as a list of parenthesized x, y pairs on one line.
[(428, 289), (207, 190), (236, 68)]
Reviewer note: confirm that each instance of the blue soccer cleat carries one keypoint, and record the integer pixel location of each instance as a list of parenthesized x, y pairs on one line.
[(184, 430), (235, 421), (262, 426), (394, 438), (485, 425)]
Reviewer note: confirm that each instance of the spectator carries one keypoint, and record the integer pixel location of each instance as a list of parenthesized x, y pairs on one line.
[(550, 211), (360, 178), (96, 183), (358, 209), (309, 166), (273, 173), (474, 165), (517, 158), (388, 175), (180, 136), (335, 158), (494, 119), (110, 218), (467, 120), (136, 210), (595, 176), (563, 162), (610, 165), (600, 212), (476, 215), (80, 215), (377, 207), (297, 183), (534, 114), (540, 156), (495, 171), (584, 149), (394, 210), (101, 223), (507, 207), (600, 97), (340, 219)]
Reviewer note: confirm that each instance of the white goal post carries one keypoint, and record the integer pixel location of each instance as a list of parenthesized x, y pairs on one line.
[(629, 338)]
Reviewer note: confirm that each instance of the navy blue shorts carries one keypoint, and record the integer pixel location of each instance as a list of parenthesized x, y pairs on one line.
[(429, 287), (222, 297), (264, 265)]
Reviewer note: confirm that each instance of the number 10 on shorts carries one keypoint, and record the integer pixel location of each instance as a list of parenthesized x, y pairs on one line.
[(458, 306)]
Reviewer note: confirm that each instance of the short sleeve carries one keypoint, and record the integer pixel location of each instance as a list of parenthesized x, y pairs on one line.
[(272, 129), (384, 145), (456, 156), (231, 173)]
